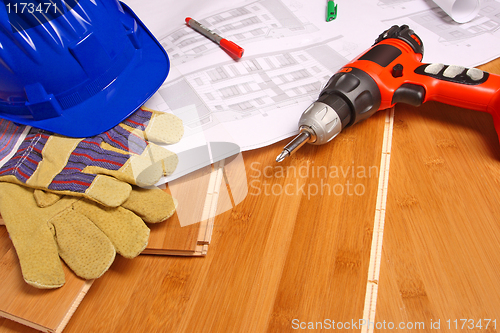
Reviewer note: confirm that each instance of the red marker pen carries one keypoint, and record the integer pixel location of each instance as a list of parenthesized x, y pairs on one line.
[(230, 47)]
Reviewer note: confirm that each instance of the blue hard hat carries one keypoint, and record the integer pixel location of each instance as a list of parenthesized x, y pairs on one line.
[(79, 72)]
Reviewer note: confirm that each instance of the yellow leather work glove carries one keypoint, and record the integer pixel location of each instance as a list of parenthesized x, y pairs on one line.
[(85, 234)]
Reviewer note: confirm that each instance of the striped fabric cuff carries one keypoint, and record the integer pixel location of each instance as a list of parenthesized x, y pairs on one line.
[(11, 137), (24, 162)]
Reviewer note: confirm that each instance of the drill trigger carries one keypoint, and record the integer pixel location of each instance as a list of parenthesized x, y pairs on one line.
[(409, 93)]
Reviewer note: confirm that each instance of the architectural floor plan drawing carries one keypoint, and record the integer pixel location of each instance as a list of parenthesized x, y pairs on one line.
[(290, 52), (263, 88), (252, 86)]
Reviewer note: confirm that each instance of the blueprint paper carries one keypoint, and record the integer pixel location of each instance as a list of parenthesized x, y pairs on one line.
[(290, 53), (460, 10)]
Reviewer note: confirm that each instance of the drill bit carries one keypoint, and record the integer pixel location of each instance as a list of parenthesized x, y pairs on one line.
[(295, 144)]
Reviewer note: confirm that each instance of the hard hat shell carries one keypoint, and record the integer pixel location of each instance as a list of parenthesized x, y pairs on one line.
[(80, 73)]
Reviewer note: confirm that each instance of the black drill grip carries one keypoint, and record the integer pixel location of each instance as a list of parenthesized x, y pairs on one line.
[(356, 89)]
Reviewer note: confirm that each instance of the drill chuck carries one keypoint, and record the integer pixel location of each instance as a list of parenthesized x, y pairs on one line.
[(318, 124), (321, 121)]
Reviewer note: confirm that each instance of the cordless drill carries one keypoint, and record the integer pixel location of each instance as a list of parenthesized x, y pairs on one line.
[(391, 72)]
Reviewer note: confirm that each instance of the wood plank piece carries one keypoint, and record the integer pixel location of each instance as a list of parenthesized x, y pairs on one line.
[(173, 237), (324, 276), (440, 258)]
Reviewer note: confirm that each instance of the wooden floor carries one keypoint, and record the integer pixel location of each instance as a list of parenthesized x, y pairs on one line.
[(301, 249)]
